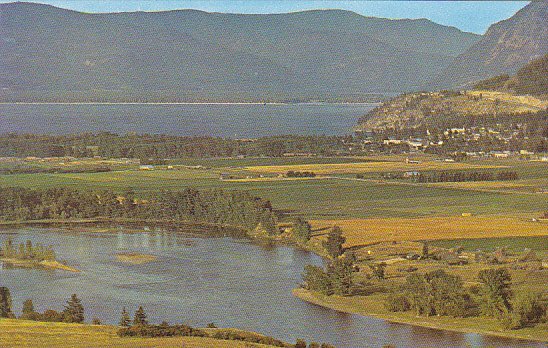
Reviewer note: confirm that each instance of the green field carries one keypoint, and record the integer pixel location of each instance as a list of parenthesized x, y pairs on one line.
[(321, 199), (512, 244)]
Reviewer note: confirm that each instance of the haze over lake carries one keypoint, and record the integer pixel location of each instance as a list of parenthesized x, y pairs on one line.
[(223, 120)]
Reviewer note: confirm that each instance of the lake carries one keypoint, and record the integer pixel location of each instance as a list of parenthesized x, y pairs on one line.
[(222, 120), (231, 282)]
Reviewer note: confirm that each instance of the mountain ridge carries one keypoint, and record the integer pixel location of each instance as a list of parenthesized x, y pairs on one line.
[(503, 49), (306, 53)]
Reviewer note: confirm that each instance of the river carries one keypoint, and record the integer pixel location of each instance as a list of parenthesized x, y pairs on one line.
[(195, 280), (223, 120)]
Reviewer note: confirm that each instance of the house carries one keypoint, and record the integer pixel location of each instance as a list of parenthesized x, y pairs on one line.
[(499, 155), (410, 174), (392, 141)]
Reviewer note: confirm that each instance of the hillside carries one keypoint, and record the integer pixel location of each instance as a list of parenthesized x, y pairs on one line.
[(189, 54), (451, 109), (506, 46), (29, 334), (531, 79)]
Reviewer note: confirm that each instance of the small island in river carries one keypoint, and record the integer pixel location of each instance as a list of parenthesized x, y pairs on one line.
[(29, 256), (135, 258)]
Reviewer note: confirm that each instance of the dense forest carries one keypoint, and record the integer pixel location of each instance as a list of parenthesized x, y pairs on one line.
[(214, 206), (146, 146)]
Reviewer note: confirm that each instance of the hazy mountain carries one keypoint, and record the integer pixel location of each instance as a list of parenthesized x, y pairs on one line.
[(506, 46), (312, 53)]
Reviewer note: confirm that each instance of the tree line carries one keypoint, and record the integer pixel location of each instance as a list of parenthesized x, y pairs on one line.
[(146, 146), (440, 293), (465, 176), (209, 206), (26, 251), (72, 313)]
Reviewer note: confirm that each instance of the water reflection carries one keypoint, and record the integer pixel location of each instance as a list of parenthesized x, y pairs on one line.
[(231, 282)]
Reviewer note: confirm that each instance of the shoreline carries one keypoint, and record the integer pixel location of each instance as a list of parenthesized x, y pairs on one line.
[(406, 318), (190, 103), (39, 264)]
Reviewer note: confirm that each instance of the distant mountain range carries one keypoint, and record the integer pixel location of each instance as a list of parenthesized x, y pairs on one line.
[(188, 55), (506, 46), (48, 51)]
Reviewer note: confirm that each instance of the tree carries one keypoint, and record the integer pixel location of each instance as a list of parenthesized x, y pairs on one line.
[(527, 309), (378, 270), (125, 320), (74, 311), (140, 317), (28, 307), (334, 243), (317, 279), (425, 251), (495, 292), (5, 303), (340, 272), (448, 294), (300, 343), (301, 230), (419, 294), (28, 312)]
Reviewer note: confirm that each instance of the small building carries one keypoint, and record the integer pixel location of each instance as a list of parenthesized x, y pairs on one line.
[(146, 167)]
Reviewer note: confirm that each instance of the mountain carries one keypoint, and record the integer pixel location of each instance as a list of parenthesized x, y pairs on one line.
[(506, 46), (499, 99), (531, 79), (46, 50), (449, 109)]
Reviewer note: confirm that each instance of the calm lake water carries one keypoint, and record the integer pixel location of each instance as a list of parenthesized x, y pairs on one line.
[(238, 121), (231, 282)]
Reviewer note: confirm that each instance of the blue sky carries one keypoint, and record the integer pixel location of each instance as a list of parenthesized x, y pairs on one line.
[(473, 16)]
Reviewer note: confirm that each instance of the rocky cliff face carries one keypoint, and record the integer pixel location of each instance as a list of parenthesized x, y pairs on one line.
[(506, 46)]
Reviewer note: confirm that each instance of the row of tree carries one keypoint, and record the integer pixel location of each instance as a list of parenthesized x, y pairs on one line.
[(72, 313), (211, 206), (440, 293), (140, 327), (465, 176), (146, 146), (26, 251)]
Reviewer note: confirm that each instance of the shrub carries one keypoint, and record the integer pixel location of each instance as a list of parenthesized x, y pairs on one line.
[(160, 331)]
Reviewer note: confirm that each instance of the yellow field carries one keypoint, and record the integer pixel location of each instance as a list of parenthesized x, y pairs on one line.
[(30, 334), (367, 231), (271, 179), (368, 167), (528, 102)]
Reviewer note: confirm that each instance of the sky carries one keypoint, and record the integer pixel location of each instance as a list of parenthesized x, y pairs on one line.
[(472, 16)]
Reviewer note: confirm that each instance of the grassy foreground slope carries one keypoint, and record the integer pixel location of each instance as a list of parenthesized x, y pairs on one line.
[(23, 333)]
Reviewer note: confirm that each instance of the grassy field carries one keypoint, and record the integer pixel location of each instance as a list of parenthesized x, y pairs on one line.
[(322, 198), (512, 244), (30, 334), (368, 231)]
